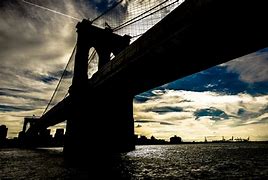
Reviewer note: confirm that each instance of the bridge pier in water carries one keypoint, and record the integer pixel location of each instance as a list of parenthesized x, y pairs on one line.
[(101, 118), (104, 125)]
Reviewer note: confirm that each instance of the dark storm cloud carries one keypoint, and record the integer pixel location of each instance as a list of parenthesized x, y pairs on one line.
[(213, 113), (145, 121), (17, 81), (166, 123), (47, 79), (244, 114), (17, 93), (15, 90), (67, 74), (19, 99), (7, 108), (166, 109), (143, 97), (153, 121)]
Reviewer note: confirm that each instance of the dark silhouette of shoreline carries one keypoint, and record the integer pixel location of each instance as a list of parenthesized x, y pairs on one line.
[(45, 139)]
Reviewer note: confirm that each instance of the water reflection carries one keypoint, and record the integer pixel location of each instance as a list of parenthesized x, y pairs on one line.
[(186, 161)]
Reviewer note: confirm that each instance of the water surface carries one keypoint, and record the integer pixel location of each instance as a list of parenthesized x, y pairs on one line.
[(188, 161)]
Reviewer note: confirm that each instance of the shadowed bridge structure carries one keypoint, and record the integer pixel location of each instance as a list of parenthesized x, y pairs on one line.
[(197, 35)]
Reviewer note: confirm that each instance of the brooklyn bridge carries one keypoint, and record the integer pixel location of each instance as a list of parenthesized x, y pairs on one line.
[(193, 36)]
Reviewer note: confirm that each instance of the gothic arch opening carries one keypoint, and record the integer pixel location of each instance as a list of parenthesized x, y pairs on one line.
[(93, 60)]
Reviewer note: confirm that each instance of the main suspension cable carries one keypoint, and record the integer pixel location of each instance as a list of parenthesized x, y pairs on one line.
[(135, 19), (60, 80)]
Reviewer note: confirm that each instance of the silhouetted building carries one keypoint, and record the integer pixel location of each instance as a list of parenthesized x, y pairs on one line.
[(59, 133), (59, 137), (21, 135), (3, 133), (143, 140), (175, 140), (44, 138), (153, 140)]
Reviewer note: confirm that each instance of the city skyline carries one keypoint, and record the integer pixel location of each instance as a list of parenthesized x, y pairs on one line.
[(227, 100)]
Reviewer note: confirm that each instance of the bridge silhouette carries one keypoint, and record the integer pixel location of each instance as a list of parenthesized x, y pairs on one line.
[(198, 34)]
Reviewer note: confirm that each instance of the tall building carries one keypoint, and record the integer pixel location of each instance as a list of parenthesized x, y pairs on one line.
[(3, 133), (59, 137), (175, 140), (59, 133)]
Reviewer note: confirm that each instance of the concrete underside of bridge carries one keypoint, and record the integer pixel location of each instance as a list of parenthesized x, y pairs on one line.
[(197, 35), (104, 125)]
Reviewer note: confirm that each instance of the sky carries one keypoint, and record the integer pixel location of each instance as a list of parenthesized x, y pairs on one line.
[(35, 44)]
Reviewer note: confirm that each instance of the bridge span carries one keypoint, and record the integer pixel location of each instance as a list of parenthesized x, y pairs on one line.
[(195, 36)]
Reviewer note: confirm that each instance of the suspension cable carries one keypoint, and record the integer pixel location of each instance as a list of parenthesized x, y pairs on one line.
[(92, 56), (90, 60), (139, 15), (136, 20), (59, 80)]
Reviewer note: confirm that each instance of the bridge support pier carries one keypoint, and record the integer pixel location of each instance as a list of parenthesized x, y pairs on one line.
[(101, 118), (101, 122)]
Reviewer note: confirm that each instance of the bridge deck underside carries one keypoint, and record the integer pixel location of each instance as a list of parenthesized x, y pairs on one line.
[(195, 36)]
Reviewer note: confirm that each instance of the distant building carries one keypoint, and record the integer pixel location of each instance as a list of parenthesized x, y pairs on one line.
[(175, 140), (59, 137), (143, 140), (44, 137), (45, 133), (59, 133), (3, 133)]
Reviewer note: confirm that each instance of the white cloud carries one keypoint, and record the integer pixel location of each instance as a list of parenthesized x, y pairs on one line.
[(251, 71), (185, 123)]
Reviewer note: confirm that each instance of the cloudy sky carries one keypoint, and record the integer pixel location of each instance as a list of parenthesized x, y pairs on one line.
[(227, 100), (35, 44)]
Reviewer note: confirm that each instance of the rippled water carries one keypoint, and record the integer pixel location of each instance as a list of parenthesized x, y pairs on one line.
[(199, 161), (187, 161)]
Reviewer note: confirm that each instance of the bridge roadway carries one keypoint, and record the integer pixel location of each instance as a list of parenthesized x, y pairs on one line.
[(197, 35)]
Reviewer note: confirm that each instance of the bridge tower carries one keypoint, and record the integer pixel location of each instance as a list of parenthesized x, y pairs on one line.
[(39, 138), (100, 116)]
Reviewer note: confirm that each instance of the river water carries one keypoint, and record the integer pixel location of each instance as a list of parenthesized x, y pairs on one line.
[(183, 161)]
